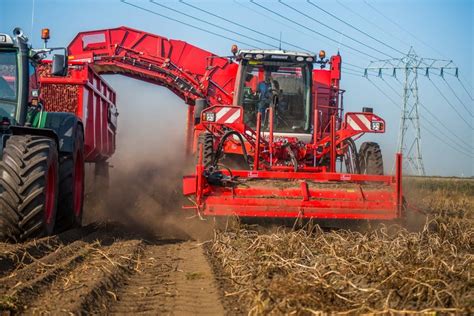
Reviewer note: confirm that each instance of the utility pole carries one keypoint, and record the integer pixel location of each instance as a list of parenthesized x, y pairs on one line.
[(409, 136)]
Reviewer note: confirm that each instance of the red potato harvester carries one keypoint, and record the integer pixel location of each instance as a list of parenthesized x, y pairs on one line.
[(266, 127)]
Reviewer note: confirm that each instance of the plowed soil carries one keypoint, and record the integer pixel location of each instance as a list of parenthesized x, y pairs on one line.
[(139, 254), (107, 269)]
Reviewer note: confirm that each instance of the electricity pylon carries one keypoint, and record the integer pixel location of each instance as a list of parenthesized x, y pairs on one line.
[(409, 137)]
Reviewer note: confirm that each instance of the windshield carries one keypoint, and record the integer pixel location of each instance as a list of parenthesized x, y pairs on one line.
[(283, 86), (8, 83)]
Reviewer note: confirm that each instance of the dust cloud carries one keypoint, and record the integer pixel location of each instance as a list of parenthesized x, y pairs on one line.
[(145, 181)]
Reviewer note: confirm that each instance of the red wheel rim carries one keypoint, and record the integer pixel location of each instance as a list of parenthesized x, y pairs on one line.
[(78, 184), (50, 193)]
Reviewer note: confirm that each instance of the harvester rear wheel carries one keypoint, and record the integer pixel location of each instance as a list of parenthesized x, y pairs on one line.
[(207, 140), (71, 186), (28, 187), (370, 159)]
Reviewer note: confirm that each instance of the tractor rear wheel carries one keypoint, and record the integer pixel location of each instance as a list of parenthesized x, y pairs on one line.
[(71, 186), (207, 141), (28, 187), (370, 159)]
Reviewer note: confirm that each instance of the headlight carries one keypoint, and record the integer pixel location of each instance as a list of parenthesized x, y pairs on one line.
[(209, 117), (377, 126)]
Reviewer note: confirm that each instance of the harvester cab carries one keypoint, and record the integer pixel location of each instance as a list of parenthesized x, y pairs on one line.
[(279, 80), (36, 147)]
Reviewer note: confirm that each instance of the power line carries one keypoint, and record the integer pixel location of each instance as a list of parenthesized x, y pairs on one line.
[(402, 28), (355, 66), (255, 31), (371, 23), (291, 27), (461, 144), (449, 103), (184, 23), (351, 73), (446, 143), (242, 26), (355, 28), (270, 18), (383, 92), (307, 28), (462, 84), (424, 127), (212, 24), (333, 29), (461, 140), (455, 94)]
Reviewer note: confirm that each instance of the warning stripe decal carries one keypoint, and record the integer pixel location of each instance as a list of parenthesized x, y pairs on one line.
[(227, 115), (364, 120), (359, 122), (221, 113)]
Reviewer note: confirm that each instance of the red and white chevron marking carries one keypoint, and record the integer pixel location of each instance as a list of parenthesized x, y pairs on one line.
[(227, 115), (359, 122)]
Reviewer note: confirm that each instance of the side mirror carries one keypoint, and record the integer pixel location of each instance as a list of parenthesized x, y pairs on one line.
[(59, 65)]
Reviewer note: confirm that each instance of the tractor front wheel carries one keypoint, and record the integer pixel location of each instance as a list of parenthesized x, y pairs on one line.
[(28, 187)]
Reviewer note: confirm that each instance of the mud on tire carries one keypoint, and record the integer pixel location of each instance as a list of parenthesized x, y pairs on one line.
[(71, 186), (28, 187), (370, 159)]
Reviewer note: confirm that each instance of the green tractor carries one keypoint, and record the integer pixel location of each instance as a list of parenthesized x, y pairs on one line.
[(41, 153)]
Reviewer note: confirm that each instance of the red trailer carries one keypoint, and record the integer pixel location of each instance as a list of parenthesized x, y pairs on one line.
[(84, 93)]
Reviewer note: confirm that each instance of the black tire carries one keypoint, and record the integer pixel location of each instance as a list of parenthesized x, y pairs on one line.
[(207, 140), (370, 159), (71, 186), (28, 187)]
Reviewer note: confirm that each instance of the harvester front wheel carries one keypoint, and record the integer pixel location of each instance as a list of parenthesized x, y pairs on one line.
[(28, 187), (370, 159), (71, 186), (207, 141)]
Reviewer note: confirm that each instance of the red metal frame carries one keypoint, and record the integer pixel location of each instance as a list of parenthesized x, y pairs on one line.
[(305, 194), (288, 178)]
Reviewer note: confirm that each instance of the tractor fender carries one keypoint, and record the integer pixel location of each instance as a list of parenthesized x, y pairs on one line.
[(65, 126), (22, 130)]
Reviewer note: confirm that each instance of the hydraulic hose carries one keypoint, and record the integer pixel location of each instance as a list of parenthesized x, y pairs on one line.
[(221, 145)]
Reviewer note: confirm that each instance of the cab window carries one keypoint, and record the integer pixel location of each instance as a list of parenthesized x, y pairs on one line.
[(8, 76)]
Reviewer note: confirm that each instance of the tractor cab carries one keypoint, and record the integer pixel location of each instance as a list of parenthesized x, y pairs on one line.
[(12, 69), (18, 80), (276, 79)]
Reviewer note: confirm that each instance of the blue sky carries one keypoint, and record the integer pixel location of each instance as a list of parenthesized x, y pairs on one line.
[(436, 29)]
